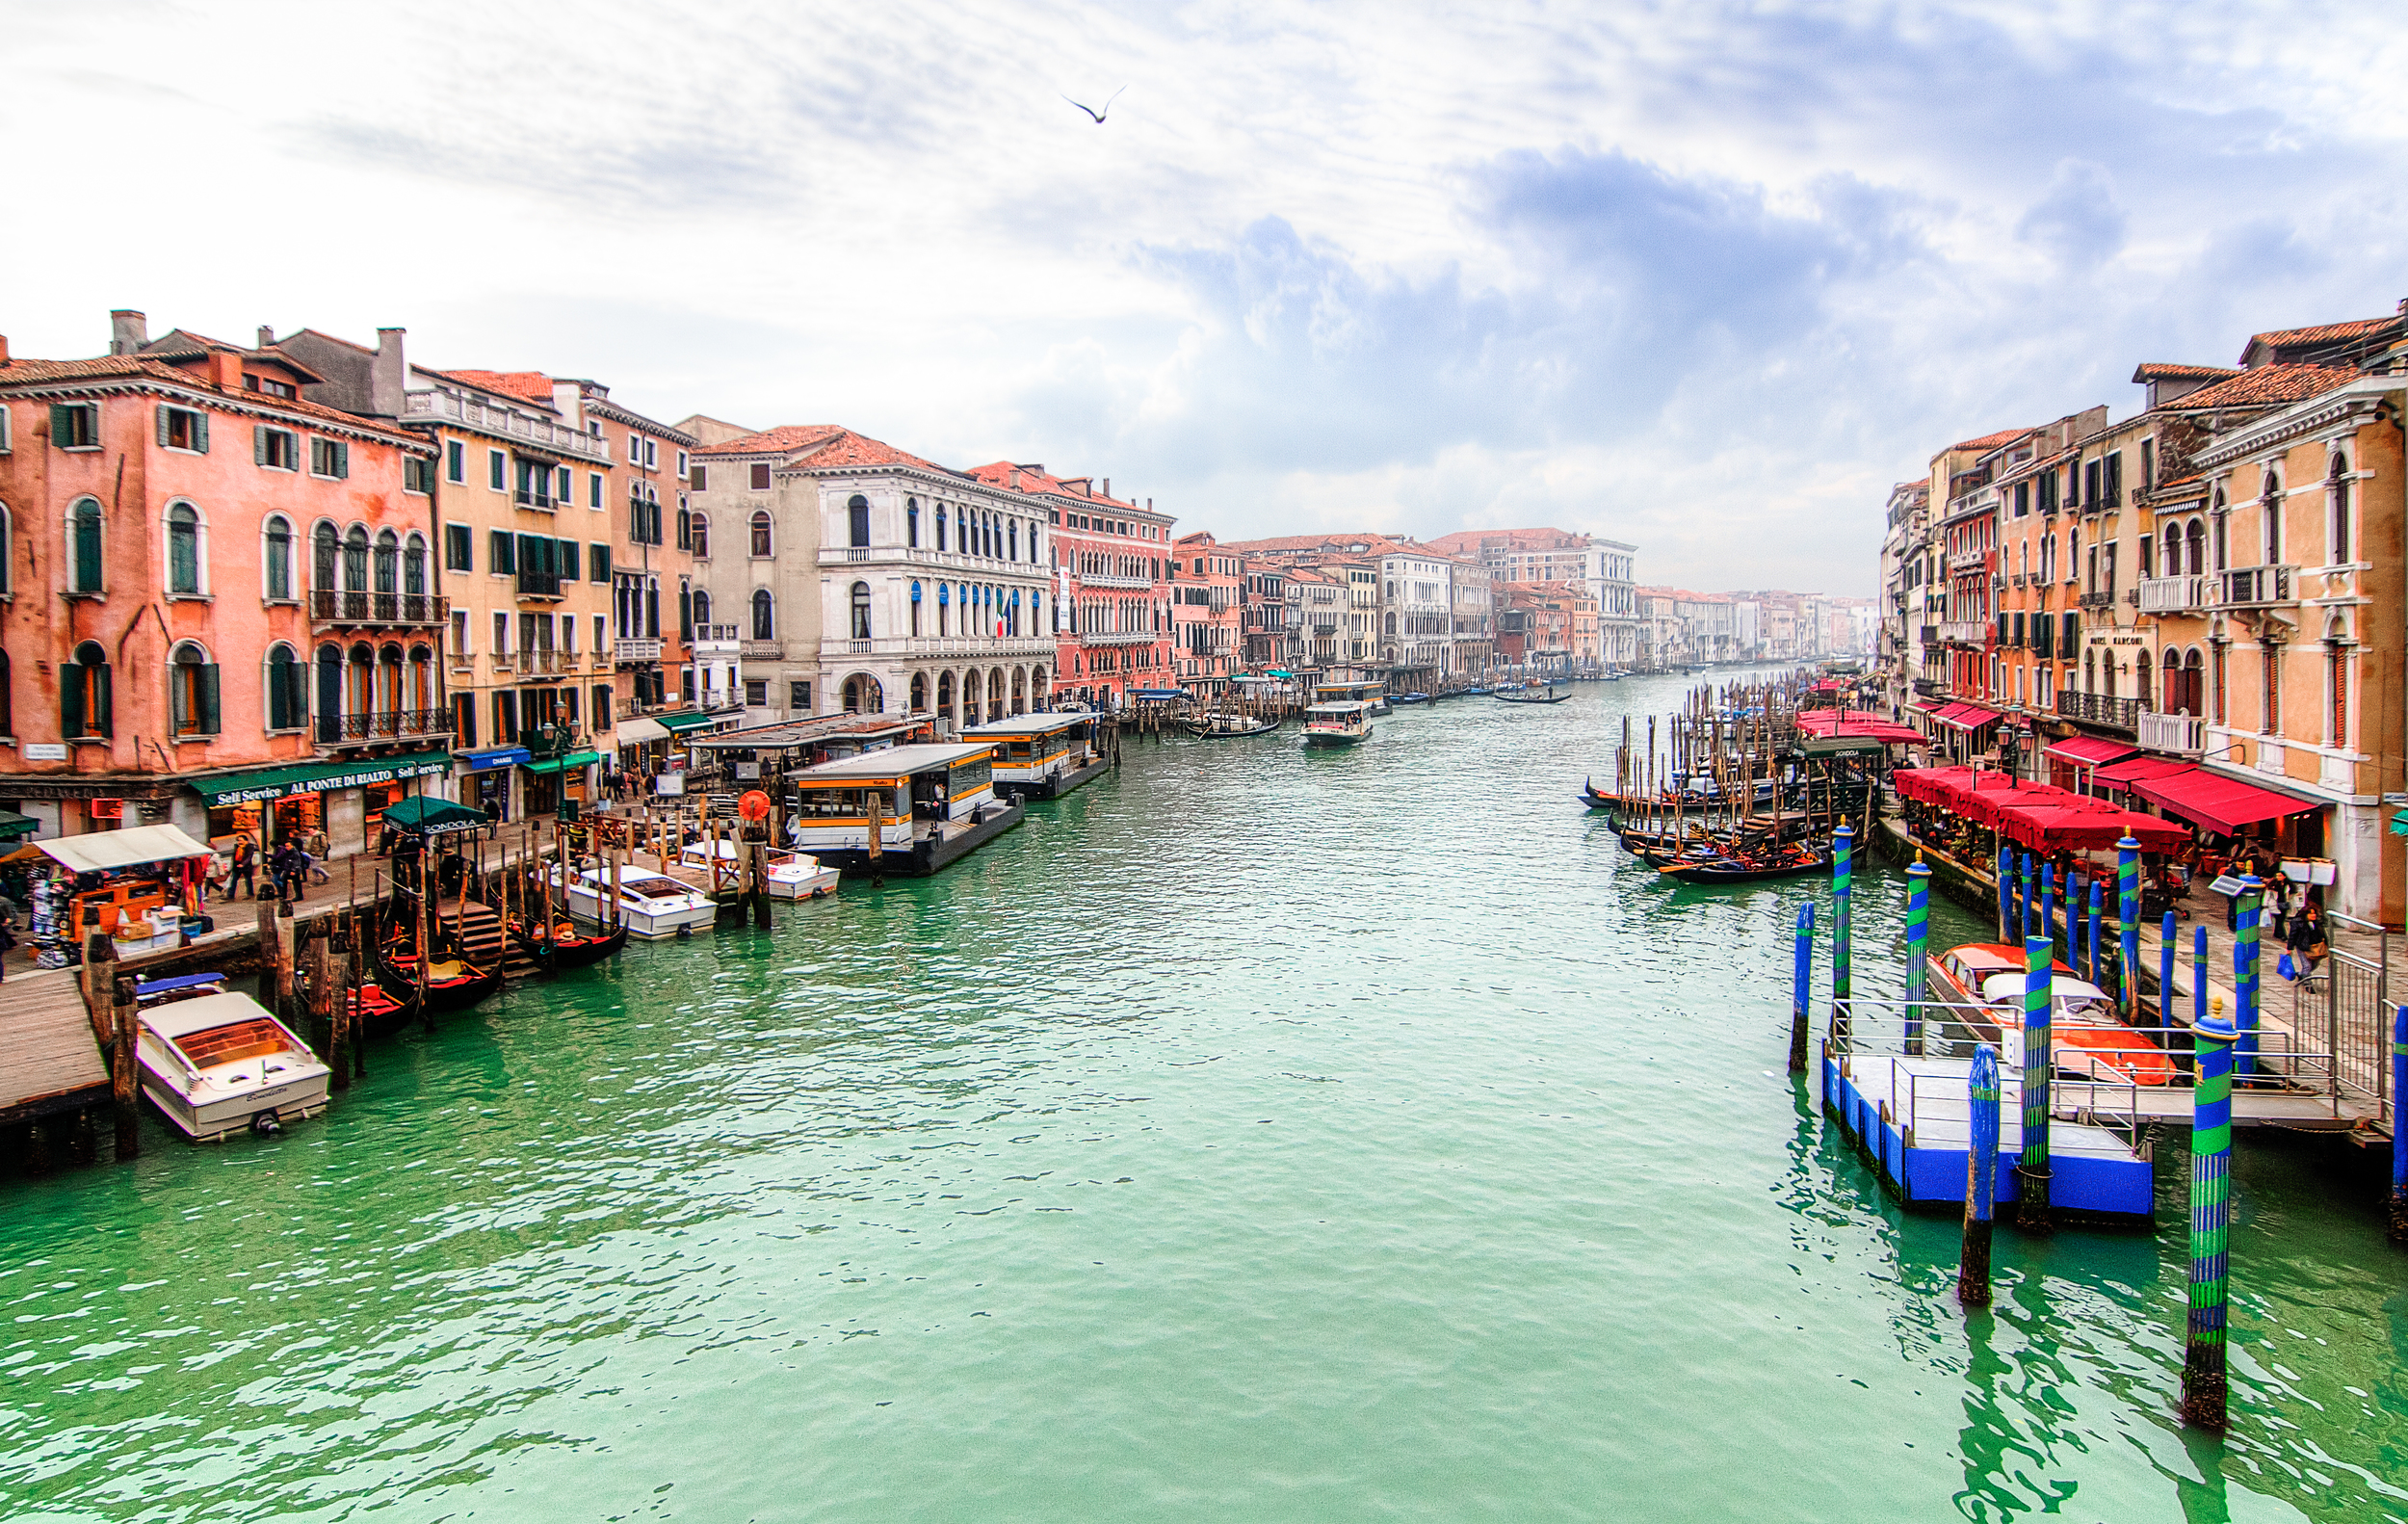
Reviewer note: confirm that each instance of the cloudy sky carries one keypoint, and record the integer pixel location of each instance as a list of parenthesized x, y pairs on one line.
[(1707, 277)]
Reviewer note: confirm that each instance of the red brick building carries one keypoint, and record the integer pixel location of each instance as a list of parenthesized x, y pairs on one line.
[(1110, 559)]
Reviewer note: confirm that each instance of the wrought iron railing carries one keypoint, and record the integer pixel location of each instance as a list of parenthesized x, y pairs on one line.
[(383, 725), (330, 606), (2098, 709)]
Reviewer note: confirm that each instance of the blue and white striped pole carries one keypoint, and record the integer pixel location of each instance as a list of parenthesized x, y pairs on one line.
[(2204, 1388), (2032, 1174), (1981, 1167)]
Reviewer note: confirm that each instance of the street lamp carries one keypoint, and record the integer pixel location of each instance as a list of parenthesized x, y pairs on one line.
[(2011, 743)]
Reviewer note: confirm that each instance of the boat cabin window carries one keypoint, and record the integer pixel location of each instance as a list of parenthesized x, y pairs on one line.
[(834, 803), (656, 888), (968, 778), (231, 1044)]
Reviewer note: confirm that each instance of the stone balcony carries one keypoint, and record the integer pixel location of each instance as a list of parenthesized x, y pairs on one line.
[(2185, 734), (2175, 594)]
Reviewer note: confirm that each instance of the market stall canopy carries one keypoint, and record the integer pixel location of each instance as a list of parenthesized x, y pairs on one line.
[(681, 723), (631, 732), (12, 823), (428, 816), (1967, 717), (2089, 750), (2223, 804), (101, 850), (2087, 827)]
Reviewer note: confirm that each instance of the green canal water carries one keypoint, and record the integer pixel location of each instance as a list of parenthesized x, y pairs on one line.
[(1254, 1136)]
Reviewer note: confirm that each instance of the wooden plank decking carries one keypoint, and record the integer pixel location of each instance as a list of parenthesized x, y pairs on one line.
[(50, 1061)]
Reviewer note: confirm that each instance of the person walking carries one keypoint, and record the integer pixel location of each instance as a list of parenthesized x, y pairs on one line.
[(314, 848), (246, 869), (2307, 940)]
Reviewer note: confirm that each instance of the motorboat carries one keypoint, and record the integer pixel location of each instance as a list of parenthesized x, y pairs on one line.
[(1412, 698), (651, 905), (1985, 981), (223, 1064), (1341, 723), (793, 875)]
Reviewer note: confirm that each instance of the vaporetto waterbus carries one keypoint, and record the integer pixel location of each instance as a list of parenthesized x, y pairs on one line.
[(930, 806), (1042, 756)]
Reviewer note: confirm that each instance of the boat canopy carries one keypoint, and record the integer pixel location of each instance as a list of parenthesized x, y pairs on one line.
[(888, 766)]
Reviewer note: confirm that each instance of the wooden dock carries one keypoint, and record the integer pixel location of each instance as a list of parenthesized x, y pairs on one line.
[(50, 1061)]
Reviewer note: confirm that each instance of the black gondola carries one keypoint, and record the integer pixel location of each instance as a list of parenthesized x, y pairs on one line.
[(376, 1012), (567, 947), (1726, 870), (451, 984)]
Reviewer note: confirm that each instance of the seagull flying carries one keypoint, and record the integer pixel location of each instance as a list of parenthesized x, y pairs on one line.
[(1099, 115)]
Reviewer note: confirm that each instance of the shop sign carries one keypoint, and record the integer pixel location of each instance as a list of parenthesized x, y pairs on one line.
[(105, 808), (45, 751), (362, 777)]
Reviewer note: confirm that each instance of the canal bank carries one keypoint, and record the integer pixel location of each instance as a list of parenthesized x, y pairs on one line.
[(1249, 1135)]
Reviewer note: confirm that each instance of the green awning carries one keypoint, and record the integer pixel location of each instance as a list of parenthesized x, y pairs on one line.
[(310, 778), (429, 816), (681, 723), (12, 823), (561, 763)]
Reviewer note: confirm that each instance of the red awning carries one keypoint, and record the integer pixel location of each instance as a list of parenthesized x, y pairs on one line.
[(1967, 717), (2086, 828), (2122, 776), (2087, 751), (2223, 804)]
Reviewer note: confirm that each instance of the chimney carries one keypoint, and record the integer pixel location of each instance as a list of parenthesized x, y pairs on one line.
[(226, 369), (1015, 478), (388, 374), (4, 349), (127, 332), (1108, 486), (267, 337)]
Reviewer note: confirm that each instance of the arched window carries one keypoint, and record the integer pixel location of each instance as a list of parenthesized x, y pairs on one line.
[(1015, 540), (85, 701), (184, 549), (276, 565), (419, 696), (415, 566), (84, 528), (685, 530), (288, 690), (2091, 672), (2144, 688), (7, 698), (330, 694), (702, 537), (760, 533), (860, 611), (857, 520), (8, 546), (192, 692), (2339, 494), (915, 616), (2196, 537), (360, 690), (2270, 497), (388, 690), (941, 526), (911, 522), (355, 560), (701, 607), (389, 561), (919, 692), (764, 615), (323, 552)]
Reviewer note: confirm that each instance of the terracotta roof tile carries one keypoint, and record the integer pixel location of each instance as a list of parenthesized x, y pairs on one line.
[(2267, 386), (533, 386), (2158, 370), (135, 367), (770, 441), (2324, 332), (1990, 441), (1037, 478)]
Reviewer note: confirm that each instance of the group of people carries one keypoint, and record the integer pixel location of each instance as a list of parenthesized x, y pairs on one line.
[(290, 867)]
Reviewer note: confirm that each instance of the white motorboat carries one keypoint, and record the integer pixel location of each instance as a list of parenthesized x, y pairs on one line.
[(223, 1064), (651, 905), (793, 875)]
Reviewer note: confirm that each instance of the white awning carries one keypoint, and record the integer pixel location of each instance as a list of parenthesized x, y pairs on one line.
[(631, 731), (100, 850)]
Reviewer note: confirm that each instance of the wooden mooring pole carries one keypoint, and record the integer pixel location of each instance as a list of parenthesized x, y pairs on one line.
[(2399, 1134), (1801, 986), (1981, 1165)]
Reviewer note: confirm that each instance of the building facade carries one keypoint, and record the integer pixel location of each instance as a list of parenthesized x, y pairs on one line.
[(1109, 563)]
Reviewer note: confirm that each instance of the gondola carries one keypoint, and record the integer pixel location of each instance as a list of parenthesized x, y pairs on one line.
[(1229, 727), (1547, 695), (451, 984), (1727, 870), (1410, 698), (375, 1013), (566, 947)]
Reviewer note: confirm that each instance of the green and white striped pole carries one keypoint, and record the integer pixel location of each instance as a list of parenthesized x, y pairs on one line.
[(2128, 921), (1981, 1168), (1842, 874), (2098, 908), (2399, 1134), (1918, 933), (2165, 971), (2246, 976), (2031, 1173), (2204, 1388), (2198, 975)]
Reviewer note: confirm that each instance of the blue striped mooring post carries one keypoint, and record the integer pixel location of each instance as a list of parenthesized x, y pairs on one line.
[(2031, 1171), (2245, 977), (2198, 975), (2028, 888), (1843, 870), (2165, 971), (2128, 922), (2097, 911), (1801, 986), (1918, 933), (2006, 892), (1981, 1168), (2211, 1222), (2048, 902), (2399, 1134)]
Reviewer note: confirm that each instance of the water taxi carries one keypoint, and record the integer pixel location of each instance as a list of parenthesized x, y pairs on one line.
[(1338, 724), (793, 875), (651, 905), (1985, 981), (924, 807), (1041, 756), (223, 1064)]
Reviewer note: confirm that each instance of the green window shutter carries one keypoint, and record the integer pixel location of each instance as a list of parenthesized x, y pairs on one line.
[(200, 432), (259, 444), (500, 552), (61, 424), (342, 458), (159, 416), (297, 692), (102, 717), (209, 699), (569, 559), (70, 699)]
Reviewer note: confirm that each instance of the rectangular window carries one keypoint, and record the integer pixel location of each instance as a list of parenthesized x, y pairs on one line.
[(183, 428), (497, 470), (757, 691), (569, 706), (417, 475), (601, 707), (4, 428), (2270, 682), (761, 476), (651, 455), (2147, 464), (601, 633), (505, 719), (459, 632), (597, 562), (798, 697), (277, 449), (569, 633), (502, 553), (681, 464), (75, 425), (501, 634), (455, 462), (329, 458), (567, 559), (460, 548), (634, 450), (593, 490), (465, 721), (698, 478), (565, 490)]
